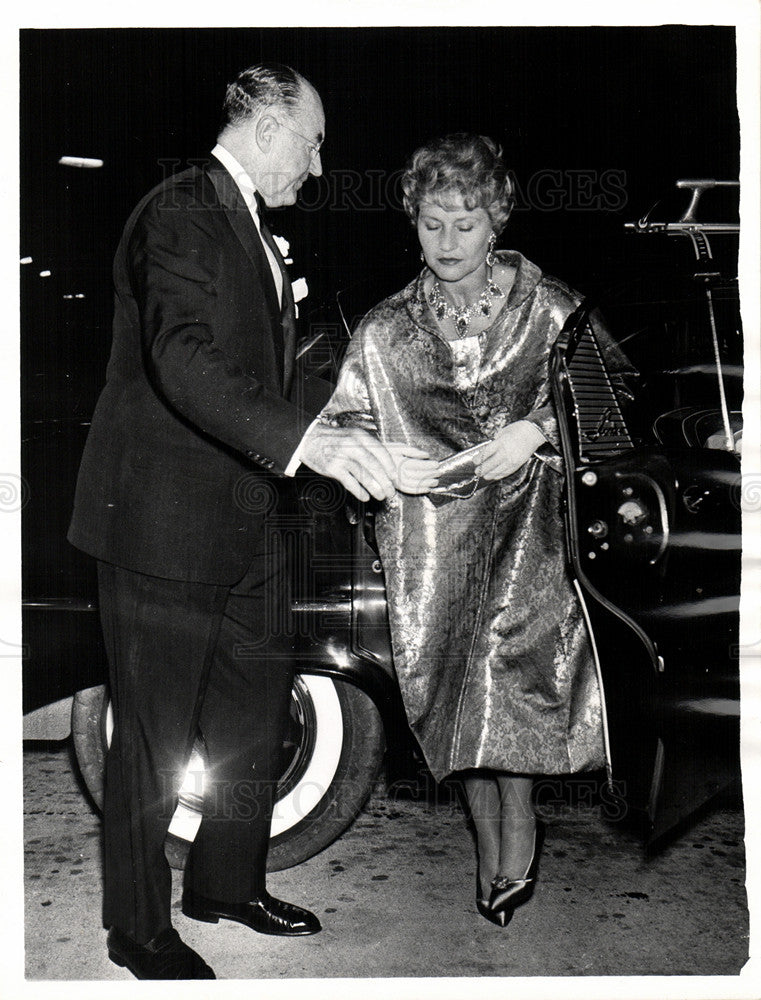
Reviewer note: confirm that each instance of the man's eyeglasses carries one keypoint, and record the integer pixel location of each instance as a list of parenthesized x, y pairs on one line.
[(313, 147)]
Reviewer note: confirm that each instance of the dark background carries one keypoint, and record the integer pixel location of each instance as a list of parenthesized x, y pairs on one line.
[(631, 108)]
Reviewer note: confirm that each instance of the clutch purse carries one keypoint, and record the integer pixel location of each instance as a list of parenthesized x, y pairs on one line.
[(458, 479)]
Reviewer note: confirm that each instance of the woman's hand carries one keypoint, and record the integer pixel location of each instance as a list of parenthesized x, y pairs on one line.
[(414, 471), (512, 447)]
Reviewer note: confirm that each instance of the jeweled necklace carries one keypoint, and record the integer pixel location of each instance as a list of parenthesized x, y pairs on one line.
[(462, 315)]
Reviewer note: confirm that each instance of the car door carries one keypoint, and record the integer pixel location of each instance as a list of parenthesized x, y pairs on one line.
[(654, 545)]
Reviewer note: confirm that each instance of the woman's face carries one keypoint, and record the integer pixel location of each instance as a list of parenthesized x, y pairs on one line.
[(455, 239)]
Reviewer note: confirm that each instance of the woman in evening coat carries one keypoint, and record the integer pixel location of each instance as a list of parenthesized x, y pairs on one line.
[(489, 641)]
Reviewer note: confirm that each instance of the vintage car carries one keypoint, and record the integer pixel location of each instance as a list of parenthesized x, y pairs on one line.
[(654, 523), (653, 528)]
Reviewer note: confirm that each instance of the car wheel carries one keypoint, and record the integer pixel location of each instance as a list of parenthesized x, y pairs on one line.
[(334, 748)]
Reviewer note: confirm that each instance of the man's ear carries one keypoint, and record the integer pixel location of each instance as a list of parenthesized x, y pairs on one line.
[(265, 132)]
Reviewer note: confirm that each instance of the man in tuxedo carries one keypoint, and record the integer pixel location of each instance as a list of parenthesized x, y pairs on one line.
[(201, 407)]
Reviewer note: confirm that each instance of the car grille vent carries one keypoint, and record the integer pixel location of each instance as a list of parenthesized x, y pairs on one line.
[(600, 422)]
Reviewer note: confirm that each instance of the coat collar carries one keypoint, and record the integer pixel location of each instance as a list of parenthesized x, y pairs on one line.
[(527, 277)]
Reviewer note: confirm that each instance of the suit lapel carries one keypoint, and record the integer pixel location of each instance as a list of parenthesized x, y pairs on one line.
[(245, 229)]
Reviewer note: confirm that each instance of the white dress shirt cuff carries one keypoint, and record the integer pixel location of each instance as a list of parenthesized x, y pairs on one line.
[(295, 462)]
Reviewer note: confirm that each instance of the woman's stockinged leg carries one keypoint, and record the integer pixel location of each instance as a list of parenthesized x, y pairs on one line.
[(484, 802), (517, 825)]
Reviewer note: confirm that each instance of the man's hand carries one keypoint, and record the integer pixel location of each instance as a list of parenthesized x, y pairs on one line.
[(363, 465), (512, 447)]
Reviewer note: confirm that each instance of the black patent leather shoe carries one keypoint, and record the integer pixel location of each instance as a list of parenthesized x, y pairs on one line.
[(164, 957), (264, 914), (508, 894)]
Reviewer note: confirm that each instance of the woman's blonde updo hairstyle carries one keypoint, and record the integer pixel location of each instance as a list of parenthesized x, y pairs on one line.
[(461, 164)]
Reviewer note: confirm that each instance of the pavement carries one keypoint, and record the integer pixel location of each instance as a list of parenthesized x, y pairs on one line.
[(395, 895)]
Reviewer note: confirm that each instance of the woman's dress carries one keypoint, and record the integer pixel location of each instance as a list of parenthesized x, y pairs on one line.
[(489, 641)]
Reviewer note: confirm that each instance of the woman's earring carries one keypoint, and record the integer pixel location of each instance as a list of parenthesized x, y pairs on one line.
[(491, 259), (422, 257)]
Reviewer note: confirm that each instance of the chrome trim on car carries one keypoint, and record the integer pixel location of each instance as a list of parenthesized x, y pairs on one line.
[(315, 606), (58, 604)]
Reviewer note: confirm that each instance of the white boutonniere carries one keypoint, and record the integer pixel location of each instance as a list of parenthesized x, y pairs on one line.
[(299, 287)]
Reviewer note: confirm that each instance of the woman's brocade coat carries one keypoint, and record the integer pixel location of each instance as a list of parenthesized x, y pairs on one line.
[(489, 641)]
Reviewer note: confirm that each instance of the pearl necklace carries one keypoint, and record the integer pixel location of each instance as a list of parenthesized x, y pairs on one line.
[(463, 315)]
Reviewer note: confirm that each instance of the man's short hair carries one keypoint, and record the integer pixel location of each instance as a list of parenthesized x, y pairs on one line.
[(268, 85)]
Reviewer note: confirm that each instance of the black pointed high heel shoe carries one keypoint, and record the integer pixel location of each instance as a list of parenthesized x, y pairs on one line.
[(508, 894)]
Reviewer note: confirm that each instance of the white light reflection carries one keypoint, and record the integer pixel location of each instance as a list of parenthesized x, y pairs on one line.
[(86, 162)]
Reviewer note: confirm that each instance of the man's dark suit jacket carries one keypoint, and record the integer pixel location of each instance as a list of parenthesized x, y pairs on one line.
[(197, 404)]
